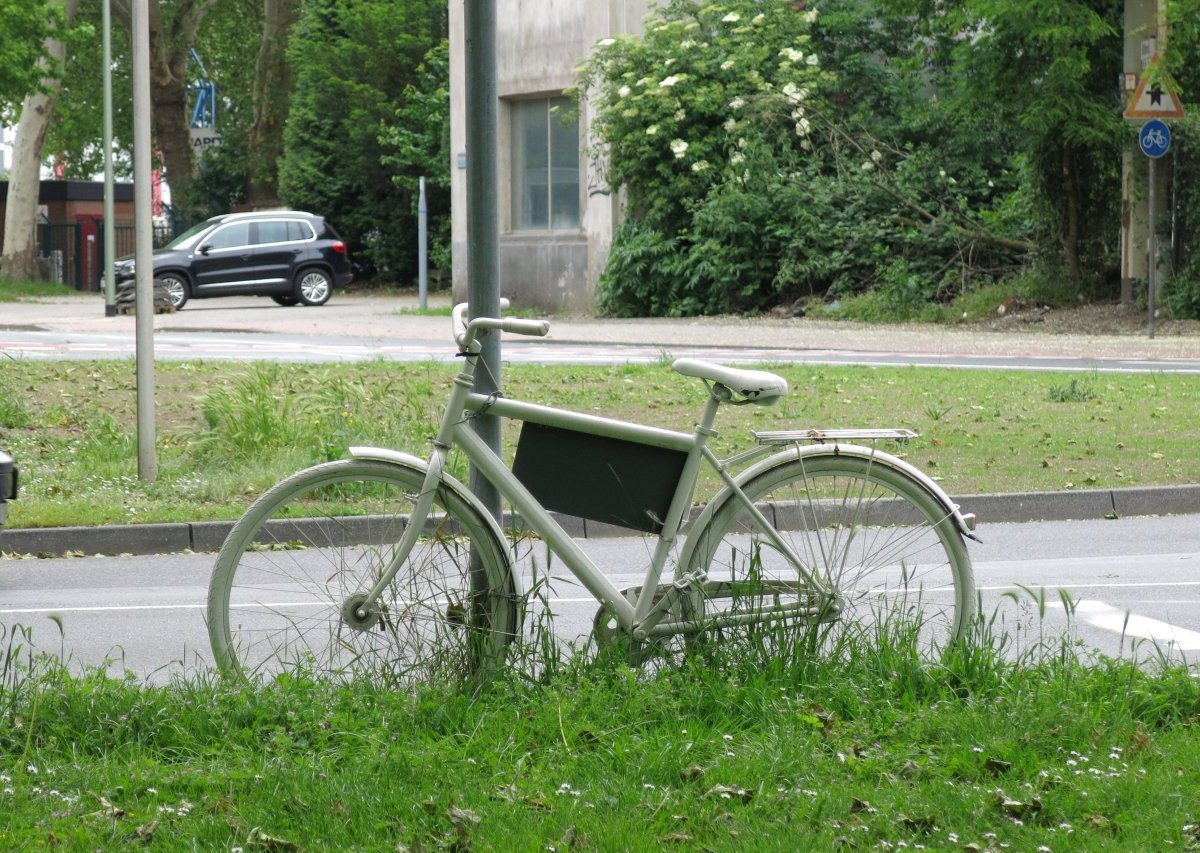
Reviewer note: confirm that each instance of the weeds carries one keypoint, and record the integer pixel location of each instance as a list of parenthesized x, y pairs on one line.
[(1072, 391), (741, 744)]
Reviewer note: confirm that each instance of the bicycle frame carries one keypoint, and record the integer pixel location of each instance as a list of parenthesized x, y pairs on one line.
[(644, 616)]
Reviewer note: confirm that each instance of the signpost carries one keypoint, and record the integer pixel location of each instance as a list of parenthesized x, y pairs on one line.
[(1155, 140), (1154, 99)]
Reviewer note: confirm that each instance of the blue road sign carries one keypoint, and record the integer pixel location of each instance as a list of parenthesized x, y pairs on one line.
[(1154, 138)]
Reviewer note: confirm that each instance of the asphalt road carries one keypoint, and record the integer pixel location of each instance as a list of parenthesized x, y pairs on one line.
[(357, 327), (1133, 584)]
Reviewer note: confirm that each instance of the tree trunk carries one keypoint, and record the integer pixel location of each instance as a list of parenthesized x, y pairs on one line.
[(172, 36), (272, 84), (1070, 214), (19, 259)]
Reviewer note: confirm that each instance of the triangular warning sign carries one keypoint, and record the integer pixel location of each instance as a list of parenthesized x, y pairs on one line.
[(1154, 98)]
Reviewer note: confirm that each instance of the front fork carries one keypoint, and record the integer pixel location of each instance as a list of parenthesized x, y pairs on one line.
[(360, 610)]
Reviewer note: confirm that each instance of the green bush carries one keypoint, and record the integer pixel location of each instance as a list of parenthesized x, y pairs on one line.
[(753, 179)]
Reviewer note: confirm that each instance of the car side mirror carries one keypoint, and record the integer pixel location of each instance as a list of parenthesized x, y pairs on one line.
[(205, 249)]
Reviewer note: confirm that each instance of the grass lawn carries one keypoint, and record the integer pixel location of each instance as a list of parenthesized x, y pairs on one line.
[(758, 744), (225, 432)]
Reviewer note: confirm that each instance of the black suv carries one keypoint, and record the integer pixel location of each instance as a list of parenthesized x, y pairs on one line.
[(291, 256)]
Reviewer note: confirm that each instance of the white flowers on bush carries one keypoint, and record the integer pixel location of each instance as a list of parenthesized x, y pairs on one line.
[(737, 104), (624, 91), (737, 158), (668, 82), (732, 18), (877, 156), (794, 93), (679, 147), (699, 165), (730, 125), (727, 64), (812, 59), (802, 127), (791, 54), (867, 166), (651, 130), (810, 16)]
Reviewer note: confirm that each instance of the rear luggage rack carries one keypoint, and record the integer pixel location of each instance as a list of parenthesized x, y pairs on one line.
[(821, 436)]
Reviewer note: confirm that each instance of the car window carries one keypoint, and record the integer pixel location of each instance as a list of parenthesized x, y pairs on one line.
[(274, 231), (298, 230), (230, 236), (187, 238)]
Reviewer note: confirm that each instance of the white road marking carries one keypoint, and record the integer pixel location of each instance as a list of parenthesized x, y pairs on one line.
[(1102, 615)]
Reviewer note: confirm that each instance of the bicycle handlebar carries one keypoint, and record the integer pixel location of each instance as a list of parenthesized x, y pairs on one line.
[(465, 332)]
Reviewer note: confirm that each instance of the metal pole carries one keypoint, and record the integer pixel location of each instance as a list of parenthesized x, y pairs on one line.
[(422, 249), (1152, 249), (110, 284), (144, 249), (483, 221)]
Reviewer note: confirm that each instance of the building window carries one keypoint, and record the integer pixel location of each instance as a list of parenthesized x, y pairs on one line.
[(545, 166)]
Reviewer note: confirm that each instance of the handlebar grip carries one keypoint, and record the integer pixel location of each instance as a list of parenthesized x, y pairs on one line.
[(518, 327), (459, 322), (538, 328)]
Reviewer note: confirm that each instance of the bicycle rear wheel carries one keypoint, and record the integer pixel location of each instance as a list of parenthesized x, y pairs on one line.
[(871, 535), (284, 588)]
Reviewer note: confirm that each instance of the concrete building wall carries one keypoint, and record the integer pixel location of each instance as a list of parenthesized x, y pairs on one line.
[(539, 44)]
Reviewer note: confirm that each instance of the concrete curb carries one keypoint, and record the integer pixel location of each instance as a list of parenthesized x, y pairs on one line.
[(1071, 506), (207, 536)]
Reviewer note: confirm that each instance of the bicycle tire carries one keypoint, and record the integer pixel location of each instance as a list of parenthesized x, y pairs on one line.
[(278, 593), (874, 533)]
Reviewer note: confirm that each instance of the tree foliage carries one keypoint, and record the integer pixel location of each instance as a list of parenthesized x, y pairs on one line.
[(939, 146), (350, 63), (26, 25), (1180, 239), (790, 156), (418, 143)]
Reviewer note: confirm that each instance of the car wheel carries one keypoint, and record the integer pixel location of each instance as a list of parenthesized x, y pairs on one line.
[(314, 286), (285, 301), (176, 287)]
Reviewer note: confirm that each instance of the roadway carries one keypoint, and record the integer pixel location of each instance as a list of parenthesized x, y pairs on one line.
[(359, 328), (1132, 582)]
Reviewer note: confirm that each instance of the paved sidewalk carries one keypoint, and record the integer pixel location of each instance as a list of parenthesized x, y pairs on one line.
[(374, 317)]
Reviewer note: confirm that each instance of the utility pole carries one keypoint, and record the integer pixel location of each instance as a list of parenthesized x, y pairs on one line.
[(483, 218), (144, 248), (110, 236)]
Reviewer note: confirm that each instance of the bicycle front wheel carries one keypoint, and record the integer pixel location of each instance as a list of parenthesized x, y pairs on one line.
[(880, 560), (287, 585)]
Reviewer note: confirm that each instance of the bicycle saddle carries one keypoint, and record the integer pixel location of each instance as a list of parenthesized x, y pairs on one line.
[(754, 386)]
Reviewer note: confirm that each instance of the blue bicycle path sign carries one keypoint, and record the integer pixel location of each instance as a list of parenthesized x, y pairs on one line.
[(1154, 138)]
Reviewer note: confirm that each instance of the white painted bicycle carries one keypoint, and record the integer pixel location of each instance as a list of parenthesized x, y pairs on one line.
[(384, 562)]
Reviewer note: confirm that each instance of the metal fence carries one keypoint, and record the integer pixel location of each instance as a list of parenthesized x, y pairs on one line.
[(73, 253)]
